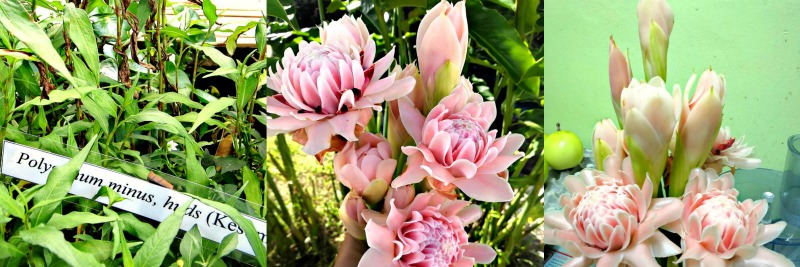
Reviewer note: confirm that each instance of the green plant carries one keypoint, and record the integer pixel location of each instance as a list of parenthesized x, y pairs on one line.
[(506, 66), (138, 83)]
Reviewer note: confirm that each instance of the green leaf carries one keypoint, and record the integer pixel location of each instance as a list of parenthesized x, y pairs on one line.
[(7, 203), (175, 32), (75, 218), (252, 190), (100, 249), (59, 181), (230, 43), (209, 110), (53, 240), (15, 19), (134, 226), (391, 4), (245, 91), (261, 36), (56, 96), (79, 30), (159, 117), (221, 72), (537, 70), (276, 9), (210, 11), (113, 196), (156, 247), (197, 175), (249, 230), (215, 55), (8, 250), (171, 97), (228, 244), (191, 245), (501, 41)]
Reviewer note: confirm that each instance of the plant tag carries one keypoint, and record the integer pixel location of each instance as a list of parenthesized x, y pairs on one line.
[(142, 198)]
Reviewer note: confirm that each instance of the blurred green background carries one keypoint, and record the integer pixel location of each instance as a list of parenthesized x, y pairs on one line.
[(755, 44)]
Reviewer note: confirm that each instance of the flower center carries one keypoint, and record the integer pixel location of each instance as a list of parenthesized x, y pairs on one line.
[(598, 215), (442, 244), (723, 210), (465, 129)]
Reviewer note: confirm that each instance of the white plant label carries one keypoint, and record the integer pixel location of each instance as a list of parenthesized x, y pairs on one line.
[(142, 198)]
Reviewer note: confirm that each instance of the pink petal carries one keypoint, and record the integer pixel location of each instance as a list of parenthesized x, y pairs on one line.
[(765, 257), (374, 258), (345, 125), (412, 175), (319, 138), (380, 238), (610, 259), (662, 247), (353, 178), (640, 256), (482, 253), (500, 163), (412, 119), (463, 168), (386, 170), (769, 232), (470, 214), (451, 208), (486, 187), (440, 146)]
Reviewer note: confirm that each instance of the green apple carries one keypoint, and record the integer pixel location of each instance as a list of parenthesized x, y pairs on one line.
[(563, 150)]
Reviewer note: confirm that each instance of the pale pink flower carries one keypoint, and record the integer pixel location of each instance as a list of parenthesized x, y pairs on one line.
[(700, 119), (455, 146), (607, 141), (718, 230), (396, 133), (655, 25), (326, 92), (366, 166), (442, 37), (731, 152), (649, 114), (351, 34), (428, 232), (619, 75), (350, 214), (611, 221)]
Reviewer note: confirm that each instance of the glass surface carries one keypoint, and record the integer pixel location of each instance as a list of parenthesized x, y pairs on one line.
[(790, 194)]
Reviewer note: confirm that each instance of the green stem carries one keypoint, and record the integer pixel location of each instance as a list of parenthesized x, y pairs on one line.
[(321, 11), (387, 36), (508, 114)]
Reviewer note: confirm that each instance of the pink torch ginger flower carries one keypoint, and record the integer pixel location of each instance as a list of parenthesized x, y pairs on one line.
[(611, 221), (326, 92), (731, 152), (607, 142), (366, 166), (428, 232), (454, 146), (718, 230), (350, 214), (442, 42)]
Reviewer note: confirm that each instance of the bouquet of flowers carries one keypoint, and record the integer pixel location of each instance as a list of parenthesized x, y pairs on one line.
[(403, 198), (657, 191)]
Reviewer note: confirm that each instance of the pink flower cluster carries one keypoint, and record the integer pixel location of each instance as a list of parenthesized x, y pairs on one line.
[(438, 131)]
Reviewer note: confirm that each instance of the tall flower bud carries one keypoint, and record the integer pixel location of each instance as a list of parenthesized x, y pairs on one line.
[(655, 25), (619, 75), (649, 124), (442, 41), (699, 123)]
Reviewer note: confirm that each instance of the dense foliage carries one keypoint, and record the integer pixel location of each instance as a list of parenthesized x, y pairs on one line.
[(124, 82)]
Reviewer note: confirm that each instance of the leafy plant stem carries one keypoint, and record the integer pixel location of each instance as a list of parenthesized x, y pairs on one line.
[(321, 8), (508, 114), (387, 36)]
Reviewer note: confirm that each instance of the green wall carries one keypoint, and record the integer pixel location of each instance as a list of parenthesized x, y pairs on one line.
[(755, 44)]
